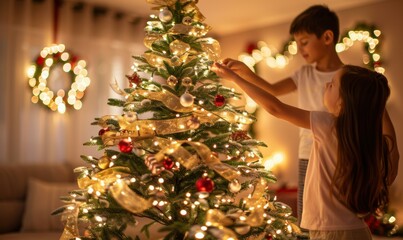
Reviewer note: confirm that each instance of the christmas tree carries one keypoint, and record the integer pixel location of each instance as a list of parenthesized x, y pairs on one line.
[(179, 154)]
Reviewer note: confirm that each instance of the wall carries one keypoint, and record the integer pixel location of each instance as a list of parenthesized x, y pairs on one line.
[(283, 137), (105, 38)]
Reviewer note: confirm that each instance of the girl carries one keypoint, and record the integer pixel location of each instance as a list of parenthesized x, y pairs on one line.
[(354, 158)]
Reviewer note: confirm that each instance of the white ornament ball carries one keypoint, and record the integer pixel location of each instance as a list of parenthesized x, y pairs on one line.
[(131, 117), (165, 15), (234, 186), (186, 99)]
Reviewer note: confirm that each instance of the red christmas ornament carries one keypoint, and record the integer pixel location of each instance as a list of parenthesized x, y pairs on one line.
[(204, 184), (269, 237), (40, 61), (219, 100), (125, 146), (377, 64), (239, 136), (102, 131), (57, 55), (134, 79), (168, 163), (251, 47), (73, 61)]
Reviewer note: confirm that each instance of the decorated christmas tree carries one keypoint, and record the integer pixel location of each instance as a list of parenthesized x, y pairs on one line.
[(179, 153)]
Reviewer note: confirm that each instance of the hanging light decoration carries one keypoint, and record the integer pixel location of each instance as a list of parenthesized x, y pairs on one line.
[(362, 32), (55, 66)]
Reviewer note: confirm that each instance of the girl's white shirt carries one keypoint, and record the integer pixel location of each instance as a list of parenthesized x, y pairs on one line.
[(321, 210)]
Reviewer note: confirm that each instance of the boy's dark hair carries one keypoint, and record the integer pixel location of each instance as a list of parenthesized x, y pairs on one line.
[(316, 19)]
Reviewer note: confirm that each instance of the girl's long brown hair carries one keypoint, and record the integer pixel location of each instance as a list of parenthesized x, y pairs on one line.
[(361, 172)]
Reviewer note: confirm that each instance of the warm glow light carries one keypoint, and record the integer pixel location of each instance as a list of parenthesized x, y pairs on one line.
[(274, 160)]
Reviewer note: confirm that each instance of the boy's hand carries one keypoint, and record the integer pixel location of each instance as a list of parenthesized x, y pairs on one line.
[(224, 72)]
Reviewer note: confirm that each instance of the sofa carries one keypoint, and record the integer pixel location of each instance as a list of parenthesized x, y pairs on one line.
[(28, 195)]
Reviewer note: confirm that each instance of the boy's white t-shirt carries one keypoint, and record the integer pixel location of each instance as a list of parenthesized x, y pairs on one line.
[(310, 86), (321, 210)]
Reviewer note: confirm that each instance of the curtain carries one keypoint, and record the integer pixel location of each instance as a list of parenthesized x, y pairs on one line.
[(105, 38)]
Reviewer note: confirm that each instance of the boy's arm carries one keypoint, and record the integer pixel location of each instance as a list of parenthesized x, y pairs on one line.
[(281, 87), (389, 131), (270, 103)]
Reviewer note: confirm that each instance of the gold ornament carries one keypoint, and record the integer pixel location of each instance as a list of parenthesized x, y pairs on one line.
[(176, 61), (103, 162), (172, 81), (187, 20), (186, 82)]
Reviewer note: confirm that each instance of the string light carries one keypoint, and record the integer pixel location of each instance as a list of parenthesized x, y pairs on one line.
[(367, 34)]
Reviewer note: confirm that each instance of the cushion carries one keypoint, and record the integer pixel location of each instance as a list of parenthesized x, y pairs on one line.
[(42, 199)]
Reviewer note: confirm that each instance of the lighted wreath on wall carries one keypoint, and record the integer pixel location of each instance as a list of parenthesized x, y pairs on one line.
[(58, 79), (362, 32)]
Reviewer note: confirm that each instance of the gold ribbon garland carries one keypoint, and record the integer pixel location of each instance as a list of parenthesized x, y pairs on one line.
[(218, 219), (112, 178), (190, 161), (256, 204), (103, 179), (128, 199), (70, 230)]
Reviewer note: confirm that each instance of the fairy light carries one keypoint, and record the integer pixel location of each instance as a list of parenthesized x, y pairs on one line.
[(199, 235), (39, 73)]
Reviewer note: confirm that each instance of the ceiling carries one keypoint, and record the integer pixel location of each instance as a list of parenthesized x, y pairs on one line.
[(231, 16)]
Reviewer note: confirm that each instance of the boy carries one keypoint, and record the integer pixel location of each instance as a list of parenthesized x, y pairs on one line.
[(316, 31)]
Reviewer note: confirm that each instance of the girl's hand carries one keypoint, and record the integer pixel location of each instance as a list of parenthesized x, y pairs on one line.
[(238, 67)]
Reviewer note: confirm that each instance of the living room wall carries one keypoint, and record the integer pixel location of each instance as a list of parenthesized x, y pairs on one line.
[(280, 136)]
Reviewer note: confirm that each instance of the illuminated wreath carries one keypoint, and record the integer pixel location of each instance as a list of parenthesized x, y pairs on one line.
[(40, 74), (362, 32)]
